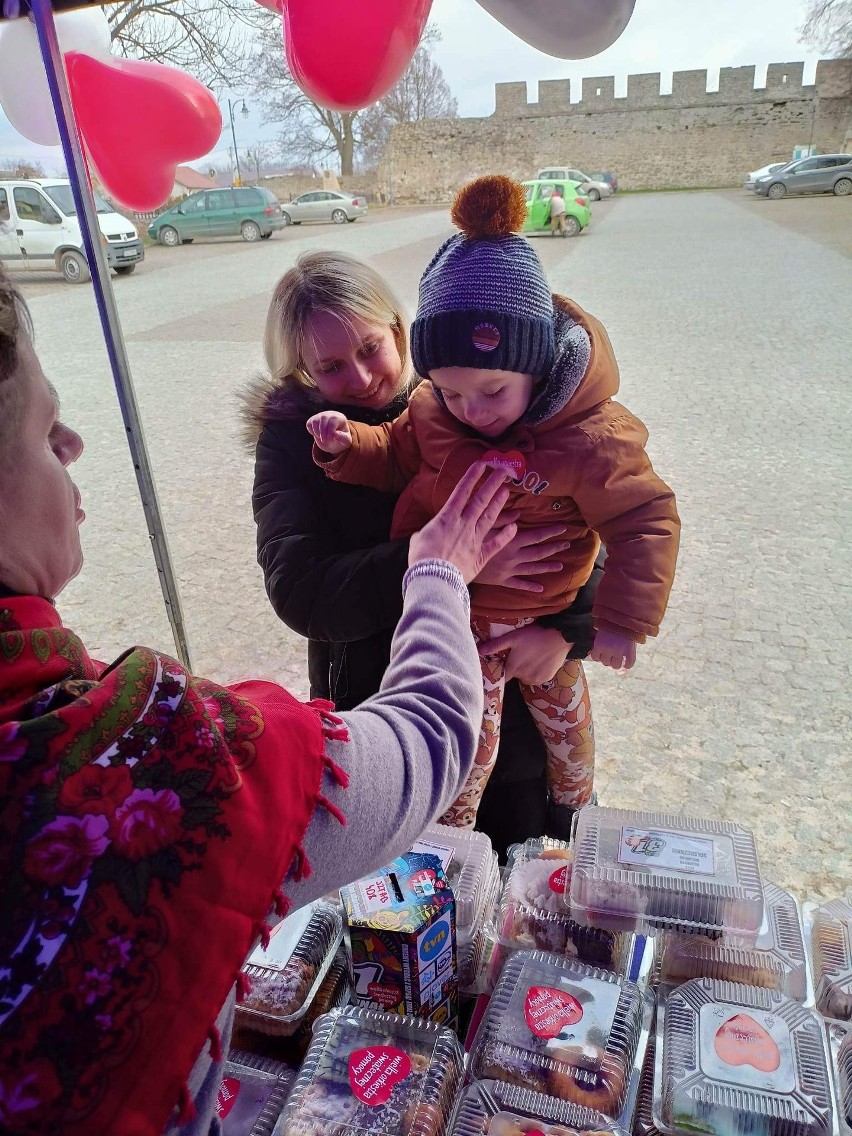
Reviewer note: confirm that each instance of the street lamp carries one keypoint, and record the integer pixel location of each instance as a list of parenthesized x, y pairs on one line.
[(244, 111)]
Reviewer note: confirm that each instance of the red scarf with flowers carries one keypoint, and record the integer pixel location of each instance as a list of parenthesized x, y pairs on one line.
[(147, 819)]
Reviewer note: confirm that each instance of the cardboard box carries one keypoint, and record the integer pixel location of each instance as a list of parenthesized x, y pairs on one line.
[(401, 933)]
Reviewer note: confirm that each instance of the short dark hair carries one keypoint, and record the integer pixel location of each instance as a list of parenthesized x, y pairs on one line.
[(15, 322)]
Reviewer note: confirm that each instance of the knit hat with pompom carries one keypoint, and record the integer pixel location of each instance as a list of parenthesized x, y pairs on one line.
[(484, 300)]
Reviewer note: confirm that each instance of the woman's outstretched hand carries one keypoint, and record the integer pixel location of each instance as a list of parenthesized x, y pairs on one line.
[(464, 532), (533, 552)]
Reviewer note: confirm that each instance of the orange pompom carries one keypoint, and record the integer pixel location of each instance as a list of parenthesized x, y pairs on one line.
[(492, 206)]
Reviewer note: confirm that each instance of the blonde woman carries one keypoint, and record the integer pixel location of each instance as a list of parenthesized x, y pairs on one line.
[(336, 338)]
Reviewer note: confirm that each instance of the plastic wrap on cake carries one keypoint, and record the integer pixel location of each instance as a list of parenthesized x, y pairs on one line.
[(831, 953), (564, 1029), (533, 911), (495, 1108), (285, 977), (738, 1060), (778, 960), (252, 1094), (644, 871), (370, 1073)]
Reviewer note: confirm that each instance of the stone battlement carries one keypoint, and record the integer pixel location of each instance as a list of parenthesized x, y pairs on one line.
[(689, 89)]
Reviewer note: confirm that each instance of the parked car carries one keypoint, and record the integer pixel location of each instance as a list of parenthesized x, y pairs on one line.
[(577, 211), (823, 173), (754, 177), (324, 205), (593, 189), (39, 229), (252, 212), (610, 179)]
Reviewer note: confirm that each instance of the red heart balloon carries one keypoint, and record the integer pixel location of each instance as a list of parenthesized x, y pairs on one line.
[(139, 120), (345, 55)]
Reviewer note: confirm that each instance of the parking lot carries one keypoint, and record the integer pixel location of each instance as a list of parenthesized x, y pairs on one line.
[(732, 322)]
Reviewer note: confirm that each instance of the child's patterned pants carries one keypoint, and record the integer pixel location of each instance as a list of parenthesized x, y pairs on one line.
[(560, 709)]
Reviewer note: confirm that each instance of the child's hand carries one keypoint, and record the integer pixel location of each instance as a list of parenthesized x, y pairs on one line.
[(613, 650), (330, 430)]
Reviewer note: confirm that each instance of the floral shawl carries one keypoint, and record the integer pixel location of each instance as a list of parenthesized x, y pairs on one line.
[(147, 819)]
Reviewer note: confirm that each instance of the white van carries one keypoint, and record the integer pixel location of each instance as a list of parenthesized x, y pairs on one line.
[(39, 229)]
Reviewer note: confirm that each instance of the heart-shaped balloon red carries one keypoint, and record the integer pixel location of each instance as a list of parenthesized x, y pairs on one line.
[(139, 120), (344, 54)]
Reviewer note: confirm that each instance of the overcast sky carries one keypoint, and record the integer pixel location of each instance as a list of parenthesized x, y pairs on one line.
[(664, 35)]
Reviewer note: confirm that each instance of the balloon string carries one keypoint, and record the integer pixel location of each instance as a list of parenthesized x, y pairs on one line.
[(11, 9)]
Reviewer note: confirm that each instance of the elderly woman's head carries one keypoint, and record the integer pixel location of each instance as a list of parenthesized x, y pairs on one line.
[(39, 504)]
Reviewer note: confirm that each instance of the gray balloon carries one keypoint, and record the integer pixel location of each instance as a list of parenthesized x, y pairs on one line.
[(566, 29)]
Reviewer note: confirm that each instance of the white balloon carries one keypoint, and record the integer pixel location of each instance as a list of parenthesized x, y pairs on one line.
[(567, 29), (24, 93)]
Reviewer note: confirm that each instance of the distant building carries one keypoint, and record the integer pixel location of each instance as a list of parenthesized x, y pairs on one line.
[(188, 180)]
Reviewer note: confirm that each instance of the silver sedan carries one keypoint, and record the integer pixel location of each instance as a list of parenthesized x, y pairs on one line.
[(324, 205)]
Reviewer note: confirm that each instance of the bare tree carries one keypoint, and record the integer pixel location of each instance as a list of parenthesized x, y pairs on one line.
[(28, 169), (312, 134), (212, 39), (829, 27), (258, 157)]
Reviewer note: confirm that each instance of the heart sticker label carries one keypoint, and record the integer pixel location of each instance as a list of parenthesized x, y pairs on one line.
[(513, 462), (375, 1072), (548, 1011), (743, 1041), (229, 1090), (559, 879)]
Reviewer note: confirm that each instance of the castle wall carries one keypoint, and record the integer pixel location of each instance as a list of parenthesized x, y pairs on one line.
[(691, 137)]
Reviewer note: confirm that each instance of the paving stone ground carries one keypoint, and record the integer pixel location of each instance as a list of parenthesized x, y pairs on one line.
[(734, 335)]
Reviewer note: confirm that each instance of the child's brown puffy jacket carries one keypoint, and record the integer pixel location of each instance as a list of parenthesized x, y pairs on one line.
[(584, 465)]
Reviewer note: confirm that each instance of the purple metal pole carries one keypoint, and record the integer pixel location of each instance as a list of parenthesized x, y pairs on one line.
[(42, 14)]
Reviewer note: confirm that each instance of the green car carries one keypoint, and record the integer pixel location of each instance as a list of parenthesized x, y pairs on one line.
[(252, 212), (577, 211)]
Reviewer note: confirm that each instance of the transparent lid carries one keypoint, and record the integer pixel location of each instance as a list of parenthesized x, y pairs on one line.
[(287, 975), (533, 911), (738, 1060), (778, 960), (841, 1041), (831, 948), (495, 1108), (252, 1094), (644, 870), (334, 991), (371, 1073), (469, 864), (643, 1117), (561, 1028)]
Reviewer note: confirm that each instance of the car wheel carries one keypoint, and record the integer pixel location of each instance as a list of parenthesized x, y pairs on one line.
[(187, 240), (125, 270), (74, 268), (339, 217), (594, 195), (297, 222), (286, 218), (266, 236), (572, 226), (250, 231), (777, 191), (169, 237), (843, 187)]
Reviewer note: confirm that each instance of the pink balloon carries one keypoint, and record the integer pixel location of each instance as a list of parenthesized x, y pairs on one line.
[(139, 120), (567, 29), (272, 5), (346, 54)]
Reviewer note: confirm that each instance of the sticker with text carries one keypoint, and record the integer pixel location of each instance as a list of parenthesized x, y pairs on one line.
[(375, 1072), (674, 851), (512, 462), (548, 1011)]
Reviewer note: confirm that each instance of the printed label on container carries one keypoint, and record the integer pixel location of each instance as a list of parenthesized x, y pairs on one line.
[(239, 1105), (376, 894), (579, 1011), (283, 940), (548, 1011), (559, 879), (747, 1047), (375, 1072), (675, 851), (445, 855)]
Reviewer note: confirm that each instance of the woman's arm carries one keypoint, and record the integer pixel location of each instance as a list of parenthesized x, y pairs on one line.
[(318, 590)]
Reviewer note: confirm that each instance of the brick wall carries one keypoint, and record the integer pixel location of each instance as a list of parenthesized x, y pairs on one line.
[(692, 137)]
